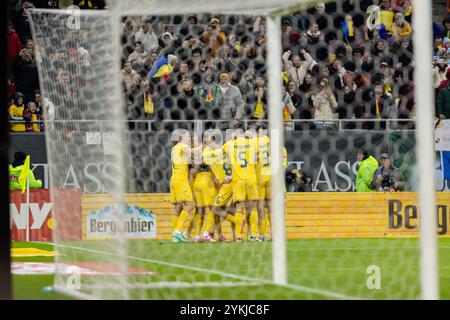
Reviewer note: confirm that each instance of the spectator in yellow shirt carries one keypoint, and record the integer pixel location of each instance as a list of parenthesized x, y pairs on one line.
[(381, 15), (401, 29), (16, 113), (214, 37)]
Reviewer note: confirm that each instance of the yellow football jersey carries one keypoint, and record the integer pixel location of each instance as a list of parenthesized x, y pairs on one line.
[(216, 159), (180, 161), (264, 159), (242, 154), (204, 191), (203, 177), (264, 156)]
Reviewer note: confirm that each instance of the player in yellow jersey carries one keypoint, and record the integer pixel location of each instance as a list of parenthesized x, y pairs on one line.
[(180, 189), (242, 154), (263, 178), (198, 177), (191, 221), (204, 195), (222, 205)]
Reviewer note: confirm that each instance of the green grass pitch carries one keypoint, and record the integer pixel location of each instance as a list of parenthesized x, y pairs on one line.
[(317, 269)]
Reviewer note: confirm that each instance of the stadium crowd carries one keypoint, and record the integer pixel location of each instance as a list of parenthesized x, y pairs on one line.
[(341, 60)]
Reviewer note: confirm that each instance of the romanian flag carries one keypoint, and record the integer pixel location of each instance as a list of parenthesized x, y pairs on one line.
[(24, 174), (348, 29), (161, 68), (148, 103)]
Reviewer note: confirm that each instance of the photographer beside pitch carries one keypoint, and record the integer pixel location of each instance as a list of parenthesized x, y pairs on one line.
[(297, 180), (387, 178)]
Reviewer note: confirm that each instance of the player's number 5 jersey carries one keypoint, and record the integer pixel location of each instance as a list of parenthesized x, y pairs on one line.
[(242, 154)]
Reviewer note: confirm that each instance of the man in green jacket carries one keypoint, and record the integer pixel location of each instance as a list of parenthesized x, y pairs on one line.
[(443, 103), (15, 169), (366, 169)]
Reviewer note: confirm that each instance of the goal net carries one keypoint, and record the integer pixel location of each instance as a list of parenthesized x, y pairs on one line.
[(146, 98)]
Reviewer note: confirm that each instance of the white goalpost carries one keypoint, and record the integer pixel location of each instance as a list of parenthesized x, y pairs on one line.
[(152, 269), (425, 149), (276, 129)]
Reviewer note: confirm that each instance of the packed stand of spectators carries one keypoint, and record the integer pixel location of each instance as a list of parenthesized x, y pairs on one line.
[(341, 60), (23, 82), (441, 71), (25, 102)]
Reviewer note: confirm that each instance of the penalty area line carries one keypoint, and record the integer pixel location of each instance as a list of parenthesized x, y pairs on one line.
[(322, 292)]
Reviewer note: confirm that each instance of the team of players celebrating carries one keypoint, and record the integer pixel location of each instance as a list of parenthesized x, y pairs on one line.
[(216, 182)]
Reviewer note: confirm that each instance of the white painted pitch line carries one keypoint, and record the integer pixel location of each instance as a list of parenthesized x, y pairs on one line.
[(322, 292), (325, 293), (74, 293), (175, 284), (334, 249), (326, 248), (169, 264)]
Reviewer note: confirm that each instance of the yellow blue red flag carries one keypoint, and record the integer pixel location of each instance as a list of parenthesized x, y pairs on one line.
[(161, 68)]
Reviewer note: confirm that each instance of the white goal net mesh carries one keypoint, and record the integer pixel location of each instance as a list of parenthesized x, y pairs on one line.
[(197, 68)]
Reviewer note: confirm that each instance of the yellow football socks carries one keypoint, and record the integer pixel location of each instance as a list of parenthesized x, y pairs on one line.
[(198, 224), (267, 220), (181, 220), (209, 221), (191, 221), (238, 218), (262, 226), (230, 218), (174, 222), (218, 222)]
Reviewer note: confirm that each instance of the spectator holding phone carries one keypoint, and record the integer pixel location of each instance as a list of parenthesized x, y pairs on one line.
[(324, 102)]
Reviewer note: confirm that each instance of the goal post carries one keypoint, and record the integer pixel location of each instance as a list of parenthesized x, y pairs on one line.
[(279, 275), (425, 149)]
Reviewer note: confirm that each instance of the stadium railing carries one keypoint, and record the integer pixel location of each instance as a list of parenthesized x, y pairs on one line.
[(201, 125)]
